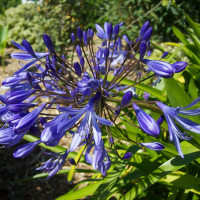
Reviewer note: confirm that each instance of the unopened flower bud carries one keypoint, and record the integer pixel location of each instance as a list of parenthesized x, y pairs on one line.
[(127, 155), (143, 48), (156, 146), (160, 120), (72, 161), (106, 53), (126, 98), (73, 38), (116, 30), (85, 38), (78, 50), (28, 48), (79, 34), (179, 66), (164, 54), (49, 44), (161, 68), (110, 31), (77, 68), (144, 29), (97, 97), (146, 122), (147, 35), (82, 62), (91, 34), (111, 140)]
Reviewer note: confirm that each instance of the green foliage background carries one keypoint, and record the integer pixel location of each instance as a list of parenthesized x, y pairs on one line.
[(59, 18)]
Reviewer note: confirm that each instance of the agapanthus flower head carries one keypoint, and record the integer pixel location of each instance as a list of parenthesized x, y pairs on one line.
[(89, 93)]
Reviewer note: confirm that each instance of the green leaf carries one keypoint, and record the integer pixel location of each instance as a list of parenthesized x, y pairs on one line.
[(3, 37), (195, 40), (83, 192), (180, 35), (193, 91), (174, 54), (191, 153), (183, 180), (158, 47), (138, 137), (194, 26), (104, 189), (71, 172), (172, 193), (178, 97), (84, 181)]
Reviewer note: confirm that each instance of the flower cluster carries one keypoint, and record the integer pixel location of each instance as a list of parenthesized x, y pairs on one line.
[(82, 92)]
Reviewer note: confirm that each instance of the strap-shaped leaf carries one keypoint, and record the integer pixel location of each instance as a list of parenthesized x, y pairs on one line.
[(191, 154), (194, 26), (83, 192), (138, 137), (180, 35)]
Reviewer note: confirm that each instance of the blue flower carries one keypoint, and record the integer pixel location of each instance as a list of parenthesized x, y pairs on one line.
[(54, 164), (100, 160), (27, 56), (90, 119), (171, 114), (104, 35)]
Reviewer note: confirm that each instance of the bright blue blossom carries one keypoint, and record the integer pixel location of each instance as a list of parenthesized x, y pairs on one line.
[(171, 114), (82, 92)]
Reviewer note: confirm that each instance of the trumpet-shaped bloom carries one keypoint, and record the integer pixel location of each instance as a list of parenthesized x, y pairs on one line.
[(90, 119), (54, 164), (171, 114), (97, 160)]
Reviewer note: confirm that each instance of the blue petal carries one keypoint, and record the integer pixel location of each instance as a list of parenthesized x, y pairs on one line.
[(63, 127), (22, 56), (103, 121), (19, 46), (26, 66), (99, 29), (96, 131), (75, 142), (192, 104), (188, 124), (88, 157), (70, 111)]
